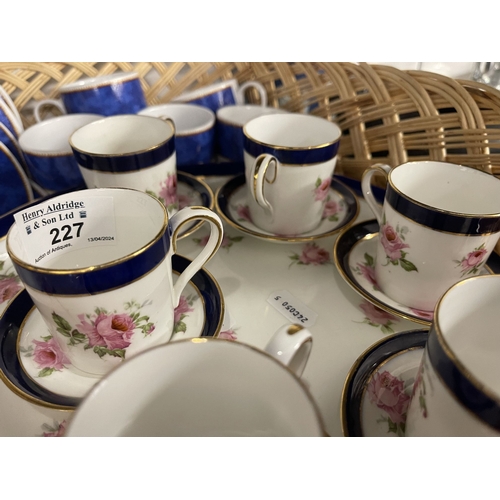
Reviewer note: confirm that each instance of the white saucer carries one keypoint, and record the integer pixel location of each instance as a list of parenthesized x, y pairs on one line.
[(231, 203), (200, 315), (354, 254), (389, 365)]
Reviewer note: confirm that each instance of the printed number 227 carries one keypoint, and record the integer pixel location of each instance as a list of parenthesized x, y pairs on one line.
[(66, 229)]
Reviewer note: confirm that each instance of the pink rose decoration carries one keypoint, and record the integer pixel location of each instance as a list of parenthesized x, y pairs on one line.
[(57, 432), (391, 242), (422, 314), (387, 393), (49, 355), (322, 190), (368, 273), (168, 190), (182, 308), (375, 314), (313, 254), (8, 288), (473, 259), (331, 208), (244, 212), (228, 334), (112, 331), (184, 201)]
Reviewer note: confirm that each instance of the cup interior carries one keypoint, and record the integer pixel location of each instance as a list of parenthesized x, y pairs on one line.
[(122, 135), (140, 219), (52, 135), (449, 187), (292, 130), (467, 319), (188, 118), (199, 387)]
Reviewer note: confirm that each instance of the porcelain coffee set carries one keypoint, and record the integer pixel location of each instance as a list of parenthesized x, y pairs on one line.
[(99, 263)]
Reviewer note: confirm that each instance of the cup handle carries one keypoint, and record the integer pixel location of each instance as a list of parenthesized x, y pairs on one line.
[(291, 345), (191, 214), (48, 102), (366, 188), (259, 179), (166, 118), (258, 87)]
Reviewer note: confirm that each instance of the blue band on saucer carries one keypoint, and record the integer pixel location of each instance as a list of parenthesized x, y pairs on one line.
[(101, 279), (440, 220), (469, 395), (293, 156), (126, 163), (116, 98)]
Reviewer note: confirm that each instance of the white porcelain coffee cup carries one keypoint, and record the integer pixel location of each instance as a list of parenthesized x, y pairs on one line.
[(457, 388), (206, 387), (230, 123), (289, 164), (130, 151), (438, 225), (97, 265)]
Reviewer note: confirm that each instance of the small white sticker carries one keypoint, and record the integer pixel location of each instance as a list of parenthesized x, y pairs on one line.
[(292, 308), (71, 222)]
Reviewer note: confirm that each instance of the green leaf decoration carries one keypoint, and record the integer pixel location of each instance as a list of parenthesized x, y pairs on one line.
[(61, 322), (236, 239), (65, 333), (392, 426), (180, 326), (370, 261), (46, 338), (46, 372), (407, 265), (318, 183), (1, 264)]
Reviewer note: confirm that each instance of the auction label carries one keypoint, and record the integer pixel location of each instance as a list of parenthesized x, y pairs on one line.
[(292, 308), (70, 223)]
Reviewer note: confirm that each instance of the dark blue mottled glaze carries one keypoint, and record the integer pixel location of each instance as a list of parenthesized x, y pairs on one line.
[(194, 149), (13, 188), (126, 97), (54, 172), (230, 141), (9, 142), (6, 121), (215, 100)]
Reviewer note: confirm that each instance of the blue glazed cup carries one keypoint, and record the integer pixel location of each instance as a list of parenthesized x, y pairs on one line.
[(229, 128), (221, 94), (48, 155), (194, 130), (15, 188), (107, 95)]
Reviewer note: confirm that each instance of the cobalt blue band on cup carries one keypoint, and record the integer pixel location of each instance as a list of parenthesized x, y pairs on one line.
[(101, 279), (461, 384), (115, 95), (440, 220), (292, 156), (126, 162)]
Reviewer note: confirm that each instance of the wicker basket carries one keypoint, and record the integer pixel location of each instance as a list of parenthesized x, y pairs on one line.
[(386, 115)]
